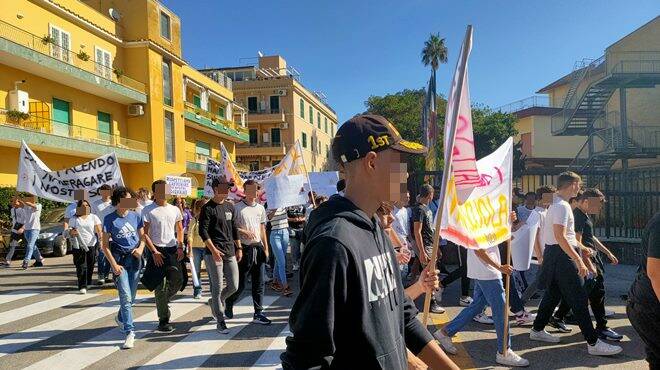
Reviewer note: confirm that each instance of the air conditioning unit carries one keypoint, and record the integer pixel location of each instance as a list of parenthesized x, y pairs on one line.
[(281, 92), (284, 125), (135, 110), (265, 158)]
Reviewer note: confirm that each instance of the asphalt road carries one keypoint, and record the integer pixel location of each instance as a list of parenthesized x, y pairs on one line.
[(46, 324)]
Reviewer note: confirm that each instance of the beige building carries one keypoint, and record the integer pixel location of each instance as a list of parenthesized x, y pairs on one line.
[(280, 110), (603, 116)]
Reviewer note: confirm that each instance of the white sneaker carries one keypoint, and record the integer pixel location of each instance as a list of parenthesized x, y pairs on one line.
[(543, 336), (130, 341), (445, 342), (608, 313), (482, 318), (465, 301), (511, 359), (83, 291), (525, 318), (603, 349)]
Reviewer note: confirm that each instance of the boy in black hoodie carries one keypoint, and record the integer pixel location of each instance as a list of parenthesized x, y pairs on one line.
[(351, 312)]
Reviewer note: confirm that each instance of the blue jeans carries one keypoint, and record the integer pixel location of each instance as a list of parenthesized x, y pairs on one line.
[(31, 237), (198, 257), (515, 302), (127, 284), (486, 292), (279, 242), (102, 265)]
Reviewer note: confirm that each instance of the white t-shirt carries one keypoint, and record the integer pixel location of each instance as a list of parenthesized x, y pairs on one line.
[(86, 228), (162, 222), (32, 217), (559, 213), (250, 218), (102, 209), (477, 269), (401, 222), (70, 210)]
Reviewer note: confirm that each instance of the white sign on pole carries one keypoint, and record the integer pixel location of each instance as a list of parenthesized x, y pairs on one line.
[(323, 183), (522, 242), (179, 186), (285, 191), (36, 178)]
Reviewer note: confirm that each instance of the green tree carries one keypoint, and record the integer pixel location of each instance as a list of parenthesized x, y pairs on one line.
[(404, 110), (434, 52)]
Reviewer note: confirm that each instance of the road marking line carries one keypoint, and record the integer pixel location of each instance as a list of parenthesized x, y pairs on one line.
[(204, 341), (41, 307), (17, 341), (103, 345), (19, 294), (270, 359)]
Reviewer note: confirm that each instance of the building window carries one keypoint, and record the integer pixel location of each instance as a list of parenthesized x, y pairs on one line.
[(311, 115), (326, 125), (254, 166), (104, 122), (103, 64), (165, 27), (274, 104), (304, 140), (332, 128), (275, 136), (302, 109), (167, 82), (252, 104), (197, 101), (59, 48), (254, 136), (318, 120), (203, 149), (169, 136), (221, 112)]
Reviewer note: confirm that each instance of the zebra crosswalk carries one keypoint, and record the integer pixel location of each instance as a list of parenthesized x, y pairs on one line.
[(80, 333)]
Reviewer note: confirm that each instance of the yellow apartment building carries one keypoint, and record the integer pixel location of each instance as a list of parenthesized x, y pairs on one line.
[(80, 78), (280, 110), (602, 117)]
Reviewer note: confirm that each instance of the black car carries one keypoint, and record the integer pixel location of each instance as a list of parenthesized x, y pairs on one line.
[(50, 241)]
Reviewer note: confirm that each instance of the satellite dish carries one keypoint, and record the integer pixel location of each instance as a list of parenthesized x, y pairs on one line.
[(114, 14), (260, 54)]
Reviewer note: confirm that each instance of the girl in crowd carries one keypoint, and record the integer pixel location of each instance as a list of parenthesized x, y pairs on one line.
[(386, 220), (279, 242), (84, 232), (196, 246), (123, 244)]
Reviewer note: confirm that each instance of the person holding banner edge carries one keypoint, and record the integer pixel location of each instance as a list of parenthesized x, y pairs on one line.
[(101, 208), (352, 311)]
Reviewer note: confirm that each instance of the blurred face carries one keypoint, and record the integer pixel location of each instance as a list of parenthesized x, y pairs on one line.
[(105, 194), (391, 169), (221, 191), (530, 201), (160, 190), (83, 210), (250, 192), (575, 188), (126, 204)]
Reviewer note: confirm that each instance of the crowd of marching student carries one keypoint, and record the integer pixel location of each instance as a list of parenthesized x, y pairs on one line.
[(142, 237)]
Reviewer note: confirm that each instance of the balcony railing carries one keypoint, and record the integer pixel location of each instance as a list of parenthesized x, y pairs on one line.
[(48, 126), (45, 46), (220, 78), (214, 117), (264, 145), (532, 101)]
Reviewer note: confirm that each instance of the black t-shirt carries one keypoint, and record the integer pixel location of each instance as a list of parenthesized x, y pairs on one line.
[(217, 221), (296, 212), (651, 240), (421, 213), (641, 290), (585, 226)]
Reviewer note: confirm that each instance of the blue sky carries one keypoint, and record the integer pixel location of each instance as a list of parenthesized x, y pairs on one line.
[(351, 49)]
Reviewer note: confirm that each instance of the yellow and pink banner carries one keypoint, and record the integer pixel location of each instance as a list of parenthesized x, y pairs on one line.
[(480, 218)]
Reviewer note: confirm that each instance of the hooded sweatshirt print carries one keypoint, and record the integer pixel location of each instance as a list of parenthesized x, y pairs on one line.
[(351, 312)]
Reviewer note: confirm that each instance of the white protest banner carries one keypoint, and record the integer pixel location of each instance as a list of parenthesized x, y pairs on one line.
[(179, 186), (223, 169), (285, 191), (36, 178), (522, 242), (323, 183), (482, 221)]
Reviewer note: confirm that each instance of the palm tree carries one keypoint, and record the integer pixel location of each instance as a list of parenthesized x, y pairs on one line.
[(434, 52)]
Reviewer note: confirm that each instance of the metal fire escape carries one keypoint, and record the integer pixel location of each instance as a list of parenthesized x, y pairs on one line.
[(611, 136)]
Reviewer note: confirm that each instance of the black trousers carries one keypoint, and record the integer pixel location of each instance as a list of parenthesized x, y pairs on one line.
[(643, 311), (84, 262), (596, 294), (251, 263), (460, 272), (560, 277)]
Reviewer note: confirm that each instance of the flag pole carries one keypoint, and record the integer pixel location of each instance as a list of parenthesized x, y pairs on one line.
[(446, 171), (306, 174), (507, 285)]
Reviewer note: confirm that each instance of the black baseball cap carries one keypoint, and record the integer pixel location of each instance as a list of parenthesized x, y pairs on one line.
[(369, 133)]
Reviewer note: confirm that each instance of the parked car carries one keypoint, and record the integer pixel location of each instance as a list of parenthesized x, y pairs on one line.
[(50, 241)]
